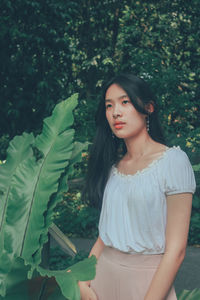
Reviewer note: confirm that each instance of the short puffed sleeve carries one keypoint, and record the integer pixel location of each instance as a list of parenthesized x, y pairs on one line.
[(178, 173)]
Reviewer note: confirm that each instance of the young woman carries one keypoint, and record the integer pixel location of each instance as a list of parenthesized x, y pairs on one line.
[(146, 189)]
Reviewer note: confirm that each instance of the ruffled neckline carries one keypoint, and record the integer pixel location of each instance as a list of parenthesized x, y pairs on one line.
[(151, 164)]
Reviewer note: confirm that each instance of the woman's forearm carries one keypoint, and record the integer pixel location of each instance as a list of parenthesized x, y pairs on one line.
[(164, 276), (97, 248), (178, 219)]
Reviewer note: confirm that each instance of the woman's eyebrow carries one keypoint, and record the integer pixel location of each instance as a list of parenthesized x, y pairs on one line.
[(119, 98), (123, 96)]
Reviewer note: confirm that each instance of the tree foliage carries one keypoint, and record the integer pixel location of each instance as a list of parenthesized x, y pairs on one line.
[(34, 60), (49, 50)]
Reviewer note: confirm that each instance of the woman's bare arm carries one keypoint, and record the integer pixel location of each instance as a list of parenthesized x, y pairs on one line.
[(97, 248), (178, 220)]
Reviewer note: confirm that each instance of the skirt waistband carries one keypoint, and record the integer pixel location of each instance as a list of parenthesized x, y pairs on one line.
[(130, 259)]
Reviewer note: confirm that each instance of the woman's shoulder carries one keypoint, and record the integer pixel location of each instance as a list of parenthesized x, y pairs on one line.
[(176, 154), (175, 160), (177, 172)]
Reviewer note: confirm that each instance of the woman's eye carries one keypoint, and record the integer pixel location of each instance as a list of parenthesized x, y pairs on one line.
[(108, 106), (125, 101)]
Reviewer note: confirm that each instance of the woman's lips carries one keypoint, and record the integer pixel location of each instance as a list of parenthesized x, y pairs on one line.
[(119, 125)]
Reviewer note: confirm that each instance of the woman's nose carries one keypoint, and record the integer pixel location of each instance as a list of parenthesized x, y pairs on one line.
[(117, 112)]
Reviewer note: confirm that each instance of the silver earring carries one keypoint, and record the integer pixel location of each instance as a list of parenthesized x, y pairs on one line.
[(113, 136), (147, 123)]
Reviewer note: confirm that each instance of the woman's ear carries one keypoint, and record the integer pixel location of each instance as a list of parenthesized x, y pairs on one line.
[(150, 107)]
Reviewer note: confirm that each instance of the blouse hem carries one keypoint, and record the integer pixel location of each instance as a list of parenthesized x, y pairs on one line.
[(180, 192)]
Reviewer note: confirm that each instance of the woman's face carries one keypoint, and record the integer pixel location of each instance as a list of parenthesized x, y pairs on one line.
[(124, 120)]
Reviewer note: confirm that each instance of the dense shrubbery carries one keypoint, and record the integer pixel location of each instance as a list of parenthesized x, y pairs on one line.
[(75, 218), (50, 50)]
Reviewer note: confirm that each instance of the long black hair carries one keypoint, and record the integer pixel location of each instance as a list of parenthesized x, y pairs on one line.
[(105, 150)]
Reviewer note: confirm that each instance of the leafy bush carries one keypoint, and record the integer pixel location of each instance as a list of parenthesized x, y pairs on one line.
[(60, 260), (194, 233), (4, 141), (76, 218)]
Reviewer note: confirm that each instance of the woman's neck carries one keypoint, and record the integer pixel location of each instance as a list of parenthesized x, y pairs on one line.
[(139, 146)]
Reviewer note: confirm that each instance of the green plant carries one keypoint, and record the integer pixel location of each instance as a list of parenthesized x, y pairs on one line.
[(155, 39), (189, 295), (32, 182), (4, 141), (194, 233), (76, 218), (60, 260)]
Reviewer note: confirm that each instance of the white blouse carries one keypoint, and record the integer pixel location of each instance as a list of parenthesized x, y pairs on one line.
[(133, 215)]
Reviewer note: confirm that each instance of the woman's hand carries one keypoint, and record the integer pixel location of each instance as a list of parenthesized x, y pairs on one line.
[(87, 293)]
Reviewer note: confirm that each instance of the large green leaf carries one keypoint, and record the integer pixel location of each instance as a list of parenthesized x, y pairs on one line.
[(76, 157), (19, 149), (58, 196), (68, 279), (18, 292), (15, 281), (33, 182), (189, 295), (20, 288)]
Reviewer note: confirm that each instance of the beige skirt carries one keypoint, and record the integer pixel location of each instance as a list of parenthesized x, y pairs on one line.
[(123, 276)]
